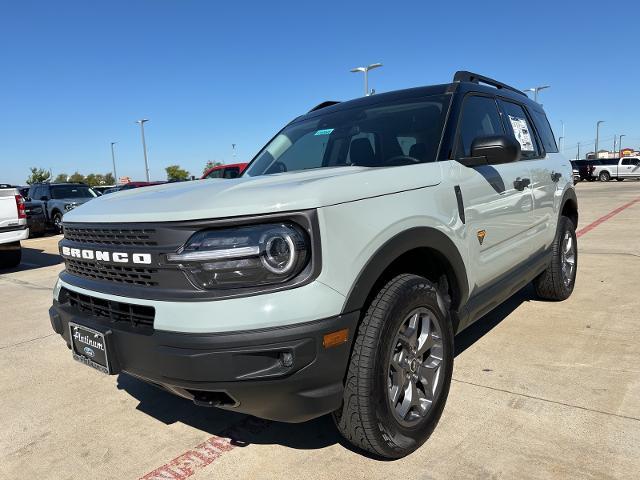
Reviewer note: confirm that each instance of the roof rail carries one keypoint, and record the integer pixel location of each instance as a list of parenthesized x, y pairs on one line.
[(328, 103), (464, 76)]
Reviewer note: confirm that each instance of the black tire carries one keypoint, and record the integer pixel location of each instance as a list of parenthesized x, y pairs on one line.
[(57, 221), (10, 258), (619, 179), (604, 176), (366, 418), (553, 284)]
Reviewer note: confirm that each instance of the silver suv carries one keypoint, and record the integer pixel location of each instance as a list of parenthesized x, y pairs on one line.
[(333, 275)]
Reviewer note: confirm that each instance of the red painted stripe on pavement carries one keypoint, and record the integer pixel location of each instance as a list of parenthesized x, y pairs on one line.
[(613, 213), (188, 463)]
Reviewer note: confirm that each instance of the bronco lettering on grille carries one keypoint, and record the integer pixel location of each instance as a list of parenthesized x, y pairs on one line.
[(106, 256)]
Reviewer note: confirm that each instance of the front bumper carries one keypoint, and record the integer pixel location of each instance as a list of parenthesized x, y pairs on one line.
[(244, 371)]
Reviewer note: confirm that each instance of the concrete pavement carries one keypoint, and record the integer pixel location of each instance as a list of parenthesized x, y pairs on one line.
[(540, 390)]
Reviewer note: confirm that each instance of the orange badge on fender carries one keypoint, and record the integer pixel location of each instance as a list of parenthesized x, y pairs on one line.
[(481, 235)]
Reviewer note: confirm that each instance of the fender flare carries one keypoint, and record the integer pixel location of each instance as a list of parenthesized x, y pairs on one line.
[(417, 237), (569, 195)]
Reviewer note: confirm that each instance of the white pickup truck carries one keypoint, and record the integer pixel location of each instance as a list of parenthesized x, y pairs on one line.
[(13, 226), (626, 167)]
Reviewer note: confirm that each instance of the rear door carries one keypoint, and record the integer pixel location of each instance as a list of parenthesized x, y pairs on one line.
[(498, 211), (546, 165)]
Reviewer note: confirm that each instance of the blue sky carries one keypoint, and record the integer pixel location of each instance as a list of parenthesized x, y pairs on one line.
[(75, 75)]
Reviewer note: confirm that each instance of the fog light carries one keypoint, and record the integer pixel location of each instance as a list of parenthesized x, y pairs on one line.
[(286, 358)]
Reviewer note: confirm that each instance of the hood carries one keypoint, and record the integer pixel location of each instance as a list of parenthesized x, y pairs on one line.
[(301, 190)]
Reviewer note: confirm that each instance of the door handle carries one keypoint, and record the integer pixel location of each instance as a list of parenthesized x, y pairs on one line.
[(521, 183), (555, 176)]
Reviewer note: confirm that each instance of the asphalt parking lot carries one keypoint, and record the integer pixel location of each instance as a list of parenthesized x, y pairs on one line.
[(540, 390)]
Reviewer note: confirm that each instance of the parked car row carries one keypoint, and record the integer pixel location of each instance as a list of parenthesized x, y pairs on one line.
[(46, 203), (606, 169)]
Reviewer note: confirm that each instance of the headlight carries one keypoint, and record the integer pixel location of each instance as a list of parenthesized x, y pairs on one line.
[(244, 256)]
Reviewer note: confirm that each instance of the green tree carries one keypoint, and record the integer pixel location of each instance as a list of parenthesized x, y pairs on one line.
[(77, 178), (61, 178), (108, 179), (95, 179), (38, 175), (210, 164), (174, 172)]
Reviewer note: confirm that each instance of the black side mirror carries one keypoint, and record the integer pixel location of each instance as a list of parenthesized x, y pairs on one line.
[(493, 150)]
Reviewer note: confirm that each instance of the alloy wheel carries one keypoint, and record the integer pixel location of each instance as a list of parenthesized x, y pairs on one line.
[(414, 379), (568, 258)]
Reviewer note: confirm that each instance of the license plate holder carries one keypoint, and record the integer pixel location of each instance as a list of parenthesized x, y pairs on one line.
[(89, 346)]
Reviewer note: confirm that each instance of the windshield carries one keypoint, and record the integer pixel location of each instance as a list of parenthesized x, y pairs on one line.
[(72, 191), (382, 135)]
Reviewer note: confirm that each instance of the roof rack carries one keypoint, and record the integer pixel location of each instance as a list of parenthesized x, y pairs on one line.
[(464, 76), (328, 103)]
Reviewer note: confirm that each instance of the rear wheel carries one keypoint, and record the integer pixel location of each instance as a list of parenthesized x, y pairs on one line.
[(558, 280), (11, 258), (400, 369), (604, 176)]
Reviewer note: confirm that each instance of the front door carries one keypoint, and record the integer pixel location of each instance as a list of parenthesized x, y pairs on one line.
[(497, 201)]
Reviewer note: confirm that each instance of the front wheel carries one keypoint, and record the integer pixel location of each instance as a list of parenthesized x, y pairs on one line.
[(400, 369), (558, 280), (57, 221), (604, 176)]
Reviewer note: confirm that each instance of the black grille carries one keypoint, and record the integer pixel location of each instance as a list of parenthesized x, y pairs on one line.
[(136, 315), (143, 237), (126, 275)]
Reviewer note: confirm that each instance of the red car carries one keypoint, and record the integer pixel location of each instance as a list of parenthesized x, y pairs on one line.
[(225, 171)]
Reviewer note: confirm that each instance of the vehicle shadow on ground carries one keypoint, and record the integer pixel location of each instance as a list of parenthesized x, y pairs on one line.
[(243, 430), (33, 258)]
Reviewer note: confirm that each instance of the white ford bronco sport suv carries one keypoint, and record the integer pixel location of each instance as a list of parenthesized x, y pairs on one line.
[(333, 275)]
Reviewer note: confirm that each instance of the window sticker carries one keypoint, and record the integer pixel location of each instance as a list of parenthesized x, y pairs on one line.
[(521, 132), (326, 131)]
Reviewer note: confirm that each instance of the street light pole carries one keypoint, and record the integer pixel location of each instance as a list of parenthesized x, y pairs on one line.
[(365, 70), (578, 155), (563, 138), (535, 91), (620, 145), (597, 137), (144, 145), (113, 159)]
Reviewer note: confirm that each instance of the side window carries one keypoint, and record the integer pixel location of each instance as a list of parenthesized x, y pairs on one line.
[(544, 130), (480, 118), (517, 124), (217, 173), (626, 161), (231, 172)]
